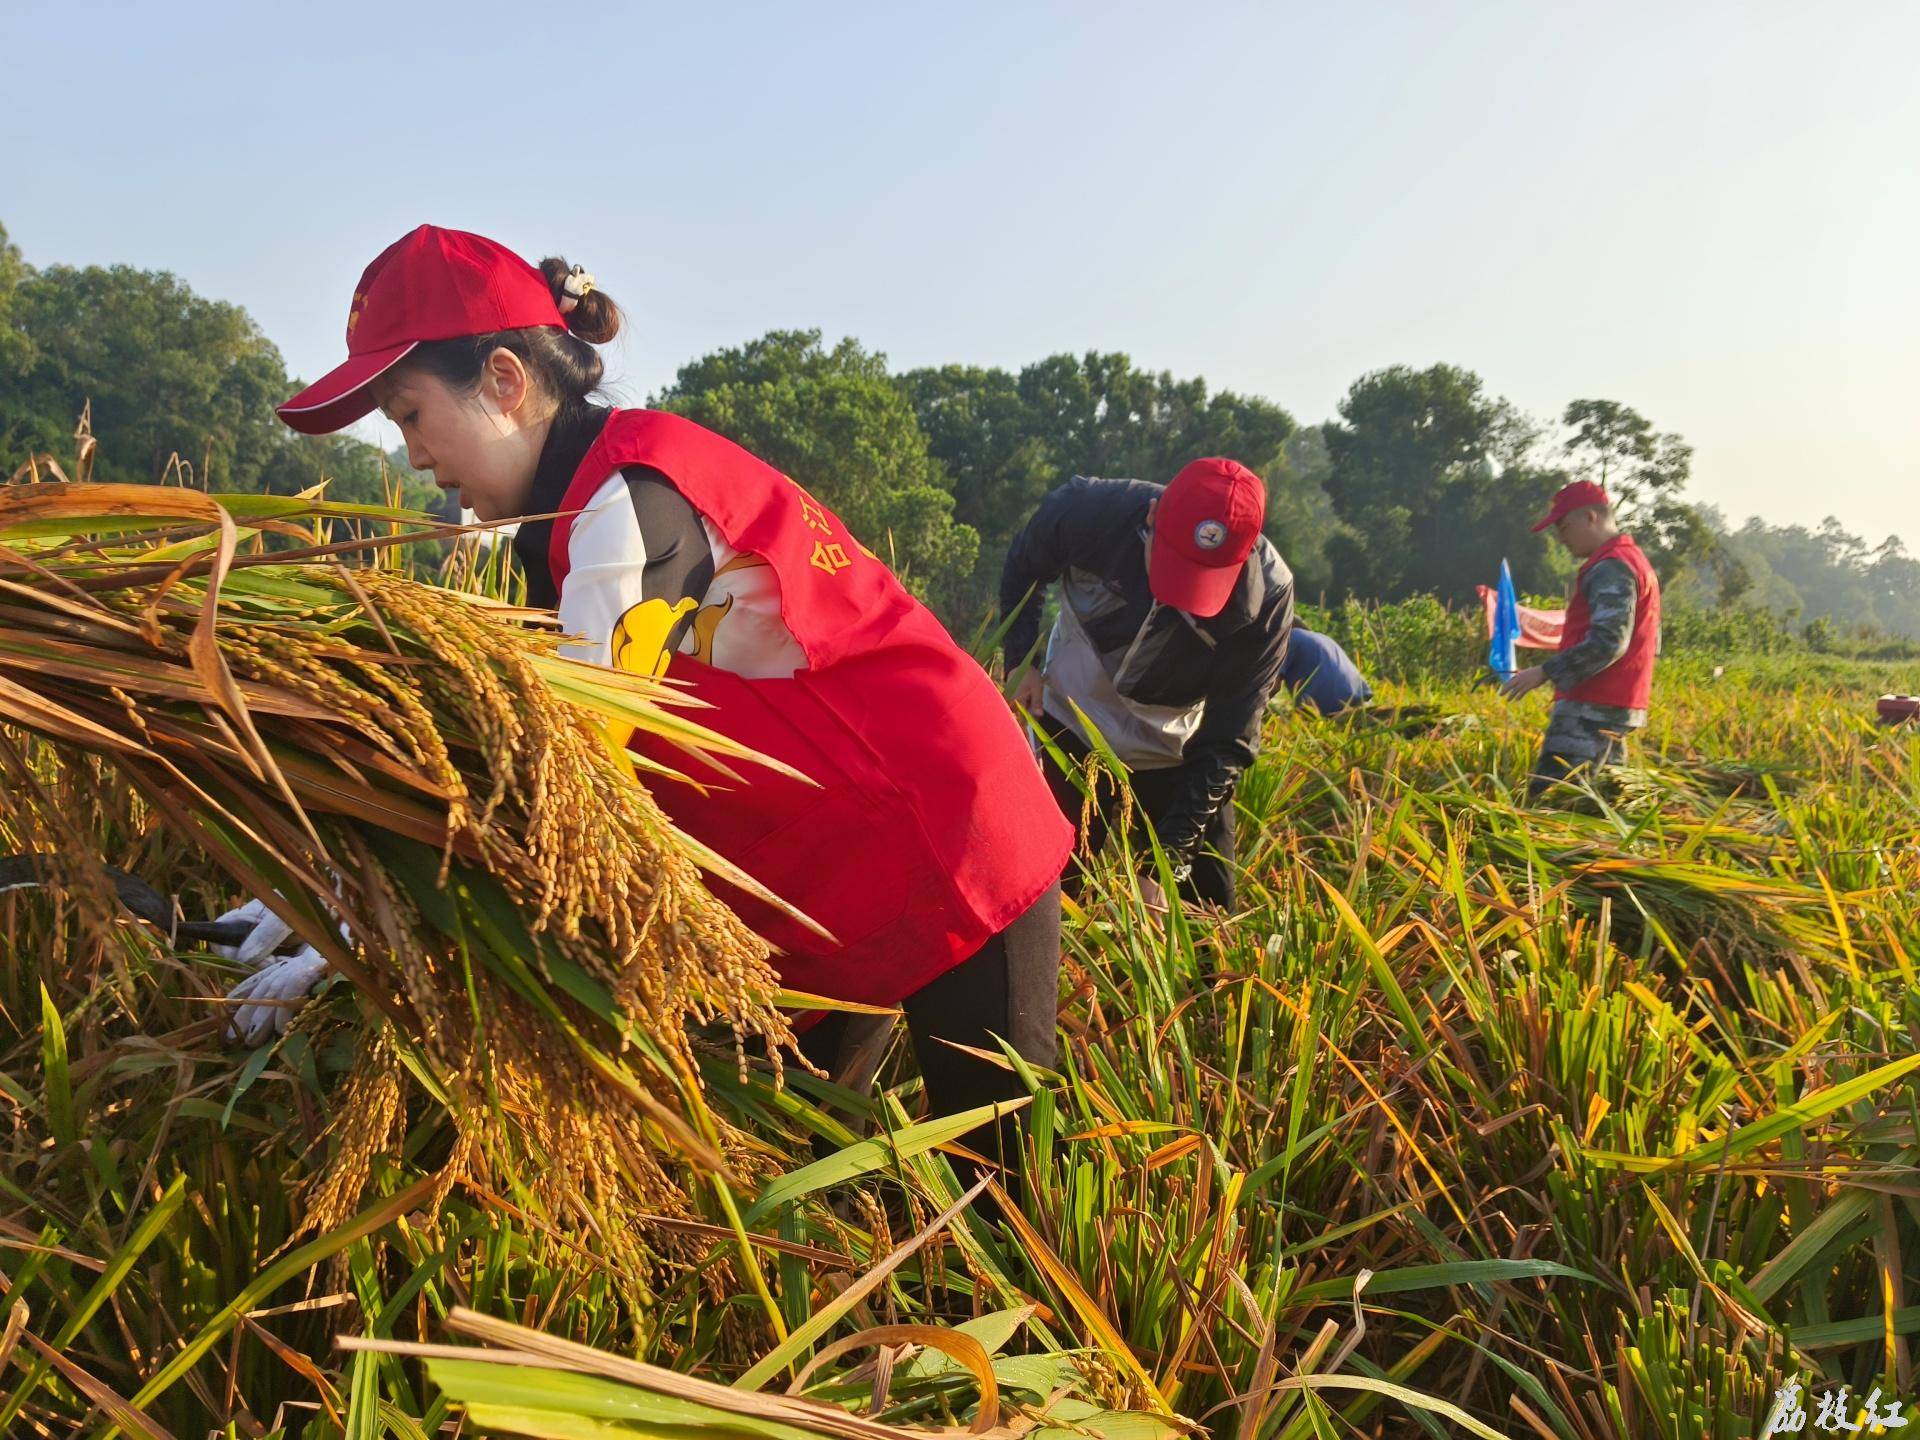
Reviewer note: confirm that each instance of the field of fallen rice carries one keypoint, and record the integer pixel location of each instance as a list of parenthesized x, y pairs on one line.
[(1594, 1123)]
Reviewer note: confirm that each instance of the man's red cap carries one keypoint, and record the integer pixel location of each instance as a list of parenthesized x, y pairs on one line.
[(1576, 495), (430, 284), (1205, 527)]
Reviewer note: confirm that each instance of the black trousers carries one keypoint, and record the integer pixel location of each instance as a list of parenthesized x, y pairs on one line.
[(1009, 988), (1212, 877)]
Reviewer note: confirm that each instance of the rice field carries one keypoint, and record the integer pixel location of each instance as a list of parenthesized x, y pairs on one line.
[(1594, 1123)]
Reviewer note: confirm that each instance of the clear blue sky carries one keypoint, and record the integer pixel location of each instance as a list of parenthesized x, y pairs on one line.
[(1710, 211)]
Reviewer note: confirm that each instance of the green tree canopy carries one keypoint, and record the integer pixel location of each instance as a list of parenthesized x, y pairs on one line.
[(835, 422), (1300, 516), (1006, 439), (1823, 574), (1434, 480), (1644, 472), (16, 347), (168, 372), (165, 373)]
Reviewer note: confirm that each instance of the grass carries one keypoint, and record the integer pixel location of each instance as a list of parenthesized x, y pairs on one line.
[(1594, 1122)]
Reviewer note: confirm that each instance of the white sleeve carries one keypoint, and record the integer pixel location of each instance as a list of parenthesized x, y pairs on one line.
[(606, 566)]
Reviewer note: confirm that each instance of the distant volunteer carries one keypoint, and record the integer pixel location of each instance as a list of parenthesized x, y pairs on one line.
[(1321, 676), (1175, 616), (1603, 673), (931, 849)]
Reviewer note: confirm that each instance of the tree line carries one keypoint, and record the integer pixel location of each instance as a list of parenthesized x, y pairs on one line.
[(1420, 484), (175, 384)]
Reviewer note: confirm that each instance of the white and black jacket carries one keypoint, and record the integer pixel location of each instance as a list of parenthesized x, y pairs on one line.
[(1164, 688), (648, 574)]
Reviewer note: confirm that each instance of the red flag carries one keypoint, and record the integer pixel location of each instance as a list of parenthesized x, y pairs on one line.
[(1539, 629)]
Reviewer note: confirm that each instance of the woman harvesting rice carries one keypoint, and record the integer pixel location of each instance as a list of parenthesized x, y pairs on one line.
[(929, 846)]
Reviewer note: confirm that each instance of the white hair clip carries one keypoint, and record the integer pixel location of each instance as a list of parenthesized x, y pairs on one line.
[(576, 287)]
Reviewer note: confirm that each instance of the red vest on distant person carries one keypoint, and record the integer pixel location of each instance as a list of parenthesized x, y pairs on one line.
[(931, 827), (1628, 682)]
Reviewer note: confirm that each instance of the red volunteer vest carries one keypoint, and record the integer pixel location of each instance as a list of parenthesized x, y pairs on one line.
[(1628, 682), (930, 828)]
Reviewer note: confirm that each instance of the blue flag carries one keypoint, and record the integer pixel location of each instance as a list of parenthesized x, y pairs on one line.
[(1506, 627)]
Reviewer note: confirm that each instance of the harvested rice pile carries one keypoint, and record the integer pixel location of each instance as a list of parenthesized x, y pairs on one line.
[(419, 768)]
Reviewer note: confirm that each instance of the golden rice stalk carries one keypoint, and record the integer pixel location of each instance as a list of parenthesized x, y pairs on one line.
[(528, 929)]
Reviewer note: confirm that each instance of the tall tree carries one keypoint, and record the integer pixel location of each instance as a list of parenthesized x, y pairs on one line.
[(1300, 516), (1007, 439), (167, 373), (835, 421), (164, 373), (1644, 472), (23, 430), (1432, 478)]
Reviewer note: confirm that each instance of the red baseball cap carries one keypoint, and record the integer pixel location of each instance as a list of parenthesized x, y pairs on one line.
[(1205, 527), (1576, 495), (430, 284)]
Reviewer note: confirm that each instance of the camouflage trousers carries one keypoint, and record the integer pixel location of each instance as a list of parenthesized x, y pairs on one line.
[(1577, 746)]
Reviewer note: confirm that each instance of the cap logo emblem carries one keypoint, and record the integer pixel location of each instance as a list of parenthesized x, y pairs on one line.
[(1209, 535), (353, 315)]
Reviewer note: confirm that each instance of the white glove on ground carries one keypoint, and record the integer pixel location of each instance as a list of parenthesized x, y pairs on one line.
[(273, 993)]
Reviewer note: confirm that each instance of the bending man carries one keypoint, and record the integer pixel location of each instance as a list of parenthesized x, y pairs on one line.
[(1174, 618)]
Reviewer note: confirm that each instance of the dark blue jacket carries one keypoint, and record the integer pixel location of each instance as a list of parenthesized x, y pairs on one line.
[(1321, 675)]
